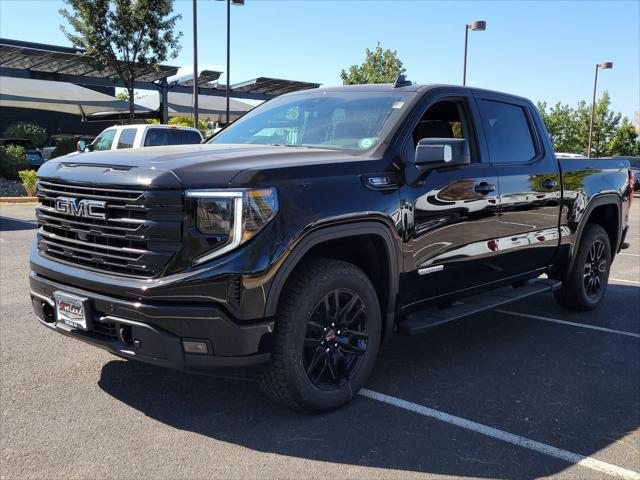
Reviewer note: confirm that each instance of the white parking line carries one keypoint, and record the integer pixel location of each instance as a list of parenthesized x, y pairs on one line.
[(625, 281), (629, 254), (567, 456), (573, 324)]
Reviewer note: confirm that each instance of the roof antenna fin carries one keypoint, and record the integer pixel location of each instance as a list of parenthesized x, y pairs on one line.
[(402, 81)]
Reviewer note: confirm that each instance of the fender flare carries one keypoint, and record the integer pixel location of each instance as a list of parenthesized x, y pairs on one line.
[(324, 234), (598, 201)]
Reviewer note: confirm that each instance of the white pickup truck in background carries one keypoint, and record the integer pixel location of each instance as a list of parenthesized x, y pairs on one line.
[(135, 136)]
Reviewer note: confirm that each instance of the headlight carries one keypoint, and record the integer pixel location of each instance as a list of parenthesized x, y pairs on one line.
[(232, 216)]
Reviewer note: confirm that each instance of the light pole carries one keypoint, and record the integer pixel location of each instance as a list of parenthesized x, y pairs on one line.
[(603, 66), (195, 63), (477, 26), (229, 3)]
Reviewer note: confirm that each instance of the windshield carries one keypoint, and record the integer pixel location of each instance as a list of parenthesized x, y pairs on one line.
[(355, 121)]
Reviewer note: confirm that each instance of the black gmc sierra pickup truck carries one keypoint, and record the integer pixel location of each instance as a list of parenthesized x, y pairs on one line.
[(303, 235)]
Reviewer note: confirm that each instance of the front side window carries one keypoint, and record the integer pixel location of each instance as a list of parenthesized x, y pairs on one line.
[(127, 137), (448, 118), (508, 132), (342, 120), (104, 140)]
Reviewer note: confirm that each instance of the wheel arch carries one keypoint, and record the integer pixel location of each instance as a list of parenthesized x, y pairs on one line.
[(602, 209), (315, 240)]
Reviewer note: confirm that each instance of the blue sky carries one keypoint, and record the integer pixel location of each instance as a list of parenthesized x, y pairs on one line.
[(544, 50)]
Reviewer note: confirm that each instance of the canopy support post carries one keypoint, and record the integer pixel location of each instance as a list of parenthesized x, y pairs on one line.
[(164, 101)]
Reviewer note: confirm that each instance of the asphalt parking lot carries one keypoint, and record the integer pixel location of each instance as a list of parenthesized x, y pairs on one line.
[(525, 392)]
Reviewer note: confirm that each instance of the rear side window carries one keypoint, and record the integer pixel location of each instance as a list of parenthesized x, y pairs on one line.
[(508, 132), (127, 136), (170, 136), (190, 137)]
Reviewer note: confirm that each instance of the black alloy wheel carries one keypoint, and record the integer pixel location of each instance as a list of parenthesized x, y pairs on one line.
[(594, 269), (336, 339)]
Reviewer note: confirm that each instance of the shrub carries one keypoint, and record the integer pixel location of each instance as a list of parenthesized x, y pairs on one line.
[(65, 146), (29, 179), (12, 160), (188, 122), (32, 132)]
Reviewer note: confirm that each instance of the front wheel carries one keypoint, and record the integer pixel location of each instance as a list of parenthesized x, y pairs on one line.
[(587, 282), (326, 338)]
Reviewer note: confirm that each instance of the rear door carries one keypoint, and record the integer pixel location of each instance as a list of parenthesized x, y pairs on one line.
[(529, 184), (450, 215)]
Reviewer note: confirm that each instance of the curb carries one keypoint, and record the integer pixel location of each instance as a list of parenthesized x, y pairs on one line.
[(18, 199)]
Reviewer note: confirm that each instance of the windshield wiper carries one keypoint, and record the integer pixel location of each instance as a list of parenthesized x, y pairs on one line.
[(288, 145)]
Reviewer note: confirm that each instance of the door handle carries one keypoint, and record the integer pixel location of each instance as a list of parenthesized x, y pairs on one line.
[(549, 183), (484, 188)]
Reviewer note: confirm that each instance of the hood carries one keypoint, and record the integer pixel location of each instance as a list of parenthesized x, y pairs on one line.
[(179, 166)]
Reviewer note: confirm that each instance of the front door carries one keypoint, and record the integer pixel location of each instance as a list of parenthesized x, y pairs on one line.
[(450, 215)]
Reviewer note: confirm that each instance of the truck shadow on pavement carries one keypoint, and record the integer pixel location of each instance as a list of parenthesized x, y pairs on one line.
[(565, 387), (8, 224)]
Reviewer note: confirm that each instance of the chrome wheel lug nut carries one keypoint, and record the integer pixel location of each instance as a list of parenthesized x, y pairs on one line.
[(335, 344), (328, 349)]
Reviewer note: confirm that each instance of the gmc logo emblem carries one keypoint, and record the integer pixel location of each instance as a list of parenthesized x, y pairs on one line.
[(80, 208)]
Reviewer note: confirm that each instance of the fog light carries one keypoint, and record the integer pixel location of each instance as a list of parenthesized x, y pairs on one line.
[(195, 346)]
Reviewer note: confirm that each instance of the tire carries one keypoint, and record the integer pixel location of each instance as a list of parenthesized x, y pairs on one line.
[(308, 352), (586, 284)]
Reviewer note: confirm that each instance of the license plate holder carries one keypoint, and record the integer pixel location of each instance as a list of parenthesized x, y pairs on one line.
[(72, 311)]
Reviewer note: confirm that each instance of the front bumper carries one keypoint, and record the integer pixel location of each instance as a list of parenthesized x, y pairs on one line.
[(152, 332)]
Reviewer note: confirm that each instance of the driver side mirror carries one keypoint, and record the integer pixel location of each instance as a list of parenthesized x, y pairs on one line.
[(434, 153), (80, 146), (442, 152)]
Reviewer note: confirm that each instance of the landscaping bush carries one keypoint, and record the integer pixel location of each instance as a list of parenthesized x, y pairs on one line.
[(29, 179), (12, 160), (65, 146), (32, 132)]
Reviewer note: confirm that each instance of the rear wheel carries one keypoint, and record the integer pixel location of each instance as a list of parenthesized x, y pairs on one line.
[(326, 338), (586, 284)]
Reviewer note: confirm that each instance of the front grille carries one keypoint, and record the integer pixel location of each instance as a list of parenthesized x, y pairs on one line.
[(141, 231)]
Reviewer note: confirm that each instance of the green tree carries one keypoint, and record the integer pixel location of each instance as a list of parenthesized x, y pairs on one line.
[(379, 66), (568, 129), (561, 122), (605, 124), (32, 132), (126, 36), (12, 160), (624, 140)]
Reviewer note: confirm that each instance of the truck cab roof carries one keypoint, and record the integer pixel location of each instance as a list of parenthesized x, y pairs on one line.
[(414, 87)]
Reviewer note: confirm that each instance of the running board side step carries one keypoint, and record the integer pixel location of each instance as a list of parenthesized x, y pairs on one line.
[(422, 321)]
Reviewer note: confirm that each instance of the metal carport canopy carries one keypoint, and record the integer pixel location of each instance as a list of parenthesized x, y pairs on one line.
[(37, 61), (210, 107), (58, 97)]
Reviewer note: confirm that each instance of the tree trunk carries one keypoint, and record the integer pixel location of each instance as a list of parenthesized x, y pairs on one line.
[(132, 109)]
